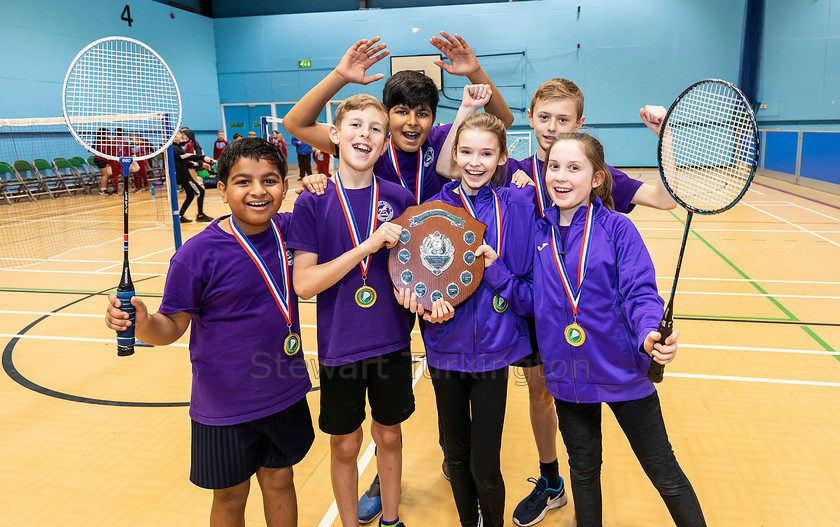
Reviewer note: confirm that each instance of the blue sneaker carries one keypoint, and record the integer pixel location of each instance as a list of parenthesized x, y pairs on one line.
[(370, 504), (532, 509)]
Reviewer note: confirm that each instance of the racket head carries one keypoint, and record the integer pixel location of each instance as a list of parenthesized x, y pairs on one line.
[(120, 82), (709, 147)]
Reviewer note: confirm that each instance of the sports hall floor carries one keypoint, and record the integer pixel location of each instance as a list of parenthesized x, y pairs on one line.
[(751, 401)]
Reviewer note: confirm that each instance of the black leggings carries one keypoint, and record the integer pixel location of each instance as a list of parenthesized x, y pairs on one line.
[(642, 423), (471, 413), (192, 189)]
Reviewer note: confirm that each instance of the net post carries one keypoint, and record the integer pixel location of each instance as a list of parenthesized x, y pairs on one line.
[(264, 133), (172, 189)]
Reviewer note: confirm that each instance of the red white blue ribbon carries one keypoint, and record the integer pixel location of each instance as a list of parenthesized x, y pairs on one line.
[(497, 215), (538, 182), (418, 187), (571, 293), (280, 297), (351, 220)]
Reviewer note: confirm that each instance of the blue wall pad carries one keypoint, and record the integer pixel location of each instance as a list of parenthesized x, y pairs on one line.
[(780, 151), (821, 156)]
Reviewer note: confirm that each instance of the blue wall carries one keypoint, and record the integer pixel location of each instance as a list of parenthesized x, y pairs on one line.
[(800, 70), (41, 38), (632, 53)]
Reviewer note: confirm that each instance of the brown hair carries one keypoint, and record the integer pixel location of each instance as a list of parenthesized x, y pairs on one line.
[(359, 101), (559, 89), (594, 153), (484, 122)]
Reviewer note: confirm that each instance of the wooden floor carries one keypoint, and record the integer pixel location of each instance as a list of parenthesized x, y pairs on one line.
[(751, 402)]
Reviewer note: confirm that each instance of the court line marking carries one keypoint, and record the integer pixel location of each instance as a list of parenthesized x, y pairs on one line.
[(105, 341), (813, 211), (753, 379), (759, 231), (762, 295), (332, 512), (747, 281), (136, 259), (751, 348), (803, 229)]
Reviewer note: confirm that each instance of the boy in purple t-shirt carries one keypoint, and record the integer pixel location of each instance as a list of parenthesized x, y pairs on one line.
[(363, 333), (249, 384), (411, 100)]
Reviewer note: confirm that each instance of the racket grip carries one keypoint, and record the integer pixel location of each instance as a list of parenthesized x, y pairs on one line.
[(656, 371), (125, 339)]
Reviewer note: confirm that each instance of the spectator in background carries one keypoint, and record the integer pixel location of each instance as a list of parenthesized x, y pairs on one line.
[(219, 145), (138, 146), (278, 141), (102, 143), (185, 176), (322, 161), (252, 134), (304, 152), (118, 148), (237, 137), (191, 136)]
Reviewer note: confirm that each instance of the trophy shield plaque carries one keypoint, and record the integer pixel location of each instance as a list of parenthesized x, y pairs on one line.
[(435, 256)]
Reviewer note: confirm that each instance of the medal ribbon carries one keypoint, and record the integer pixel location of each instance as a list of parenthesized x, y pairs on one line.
[(351, 220), (539, 184), (497, 215), (572, 295), (281, 298), (418, 187)]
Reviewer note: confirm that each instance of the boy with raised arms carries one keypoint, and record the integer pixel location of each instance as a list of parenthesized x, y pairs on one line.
[(232, 283), (411, 100), (363, 333)]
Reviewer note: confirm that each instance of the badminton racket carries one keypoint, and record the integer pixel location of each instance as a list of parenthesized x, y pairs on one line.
[(708, 149), (120, 83)]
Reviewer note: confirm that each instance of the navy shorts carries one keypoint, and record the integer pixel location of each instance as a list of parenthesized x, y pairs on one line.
[(534, 358), (225, 456), (387, 379)]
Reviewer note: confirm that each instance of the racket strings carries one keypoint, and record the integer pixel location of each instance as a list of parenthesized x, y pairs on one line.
[(709, 148), (122, 84)]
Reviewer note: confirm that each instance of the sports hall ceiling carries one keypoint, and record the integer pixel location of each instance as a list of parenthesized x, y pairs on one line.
[(236, 8)]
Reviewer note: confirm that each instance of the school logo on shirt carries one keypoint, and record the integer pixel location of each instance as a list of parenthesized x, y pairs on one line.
[(290, 257), (429, 156), (384, 211)]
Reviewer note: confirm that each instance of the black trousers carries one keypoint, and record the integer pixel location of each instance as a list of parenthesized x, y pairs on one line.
[(192, 189), (305, 164), (642, 423), (471, 413)]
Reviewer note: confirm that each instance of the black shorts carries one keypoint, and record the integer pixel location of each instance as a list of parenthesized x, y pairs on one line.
[(225, 456), (534, 358), (387, 379), (100, 162)]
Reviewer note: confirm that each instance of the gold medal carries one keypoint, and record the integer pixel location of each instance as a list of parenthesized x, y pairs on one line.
[(574, 334), (500, 305), (292, 344), (365, 296)]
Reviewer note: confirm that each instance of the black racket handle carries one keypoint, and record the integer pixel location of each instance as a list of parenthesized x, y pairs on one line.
[(656, 371)]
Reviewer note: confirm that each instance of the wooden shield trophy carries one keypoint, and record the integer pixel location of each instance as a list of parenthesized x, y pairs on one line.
[(435, 256)]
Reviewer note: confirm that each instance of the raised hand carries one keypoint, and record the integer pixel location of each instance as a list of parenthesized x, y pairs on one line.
[(359, 58), (476, 96), (653, 116), (521, 179), (459, 53)]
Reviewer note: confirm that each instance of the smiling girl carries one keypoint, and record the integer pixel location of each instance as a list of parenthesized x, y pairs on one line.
[(468, 356)]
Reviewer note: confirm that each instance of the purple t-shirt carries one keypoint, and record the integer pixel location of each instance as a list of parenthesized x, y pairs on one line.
[(430, 151), (623, 189), (346, 331), (239, 369)]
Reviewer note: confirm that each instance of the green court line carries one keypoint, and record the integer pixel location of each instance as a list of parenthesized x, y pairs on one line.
[(758, 288), (775, 302), (747, 319)]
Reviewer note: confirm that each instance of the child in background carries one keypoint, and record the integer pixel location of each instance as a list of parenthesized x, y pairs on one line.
[(322, 162), (363, 334), (278, 141), (219, 144), (597, 329), (237, 137), (248, 404), (468, 356), (102, 143)]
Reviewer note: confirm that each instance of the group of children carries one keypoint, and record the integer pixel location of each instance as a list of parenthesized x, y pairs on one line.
[(568, 293)]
